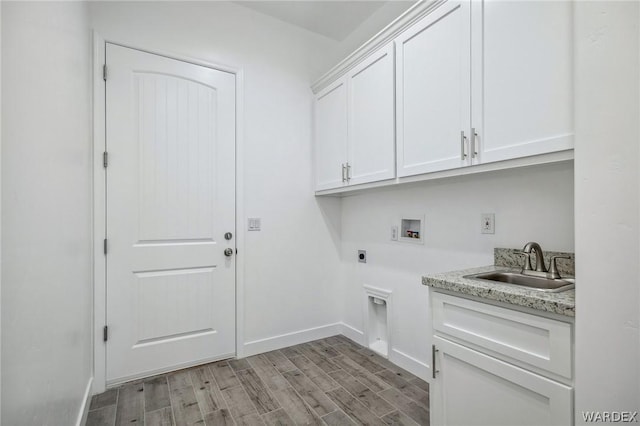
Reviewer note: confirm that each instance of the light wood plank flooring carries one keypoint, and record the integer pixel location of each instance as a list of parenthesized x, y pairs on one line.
[(331, 381)]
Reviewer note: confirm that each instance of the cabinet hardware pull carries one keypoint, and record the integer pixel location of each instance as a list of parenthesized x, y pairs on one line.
[(348, 172), (343, 173), (474, 148), (463, 139), (433, 361)]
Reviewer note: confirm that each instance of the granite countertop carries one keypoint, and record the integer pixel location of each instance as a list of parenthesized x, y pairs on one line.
[(562, 303)]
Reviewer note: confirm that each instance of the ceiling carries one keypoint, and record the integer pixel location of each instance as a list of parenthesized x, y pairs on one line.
[(335, 19)]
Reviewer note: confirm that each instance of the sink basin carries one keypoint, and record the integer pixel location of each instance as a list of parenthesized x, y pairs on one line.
[(528, 281)]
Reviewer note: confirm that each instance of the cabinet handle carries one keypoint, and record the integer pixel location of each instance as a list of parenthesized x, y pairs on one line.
[(463, 139), (433, 361), (343, 173), (348, 172), (474, 148)]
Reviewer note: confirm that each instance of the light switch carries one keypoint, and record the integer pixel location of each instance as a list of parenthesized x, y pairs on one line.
[(254, 223), (394, 233)]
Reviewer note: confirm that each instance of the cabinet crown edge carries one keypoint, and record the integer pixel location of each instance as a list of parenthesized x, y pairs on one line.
[(386, 35)]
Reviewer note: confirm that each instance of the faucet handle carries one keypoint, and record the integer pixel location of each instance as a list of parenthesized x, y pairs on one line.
[(527, 260), (553, 269)]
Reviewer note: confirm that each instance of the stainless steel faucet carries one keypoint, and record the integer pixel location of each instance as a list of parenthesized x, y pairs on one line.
[(541, 269), (539, 257)]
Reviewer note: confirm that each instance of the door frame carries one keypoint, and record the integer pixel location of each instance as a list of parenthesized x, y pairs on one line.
[(99, 197)]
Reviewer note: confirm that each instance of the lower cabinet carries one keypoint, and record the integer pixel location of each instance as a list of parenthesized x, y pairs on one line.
[(472, 388), (476, 386)]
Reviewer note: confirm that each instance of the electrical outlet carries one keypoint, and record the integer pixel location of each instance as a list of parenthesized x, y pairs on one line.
[(487, 223), (394, 233)]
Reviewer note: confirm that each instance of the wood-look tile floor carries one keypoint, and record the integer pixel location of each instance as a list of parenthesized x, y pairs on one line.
[(331, 381)]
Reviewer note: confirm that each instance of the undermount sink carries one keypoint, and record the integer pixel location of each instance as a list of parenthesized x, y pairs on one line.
[(533, 282)]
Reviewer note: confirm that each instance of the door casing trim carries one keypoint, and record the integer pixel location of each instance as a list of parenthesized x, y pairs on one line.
[(99, 206)]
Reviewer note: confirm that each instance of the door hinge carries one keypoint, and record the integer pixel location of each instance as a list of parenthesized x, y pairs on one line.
[(105, 333), (104, 72), (105, 159), (105, 246)]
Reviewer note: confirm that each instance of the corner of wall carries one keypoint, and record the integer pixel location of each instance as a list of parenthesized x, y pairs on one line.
[(0, 212), (83, 413), (607, 194)]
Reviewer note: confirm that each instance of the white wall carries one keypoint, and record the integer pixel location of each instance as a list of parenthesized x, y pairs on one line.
[(607, 224), (530, 204), (46, 220), (0, 212), (378, 20), (292, 264)]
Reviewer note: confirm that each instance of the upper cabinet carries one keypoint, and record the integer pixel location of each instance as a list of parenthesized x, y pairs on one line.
[(522, 67), (433, 91), (331, 135), (448, 85), (354, 125), (371, 119)]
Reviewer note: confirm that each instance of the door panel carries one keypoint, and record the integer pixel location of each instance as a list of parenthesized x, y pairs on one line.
[(170, 199), (177, 161), (433, 90), (162, 296)]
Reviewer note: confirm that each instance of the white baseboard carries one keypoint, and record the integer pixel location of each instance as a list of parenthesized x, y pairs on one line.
[(352, 333), (84, 408), (289, 339), (411, 364), (402, 360)]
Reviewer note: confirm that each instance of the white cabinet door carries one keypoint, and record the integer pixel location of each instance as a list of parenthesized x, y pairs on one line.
[(522, 56), (371, 119), (331, 135), (433, 91), (475, 389)]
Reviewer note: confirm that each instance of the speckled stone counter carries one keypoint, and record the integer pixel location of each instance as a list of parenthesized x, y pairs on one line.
[(562, 303)]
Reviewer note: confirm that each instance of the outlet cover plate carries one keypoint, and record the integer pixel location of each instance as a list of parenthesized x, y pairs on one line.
[(488, 223)]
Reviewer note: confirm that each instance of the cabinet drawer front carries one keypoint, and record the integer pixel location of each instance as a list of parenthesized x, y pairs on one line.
[(534, 340)]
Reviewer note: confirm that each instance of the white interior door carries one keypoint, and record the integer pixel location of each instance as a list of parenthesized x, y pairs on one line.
[(170, 201)]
